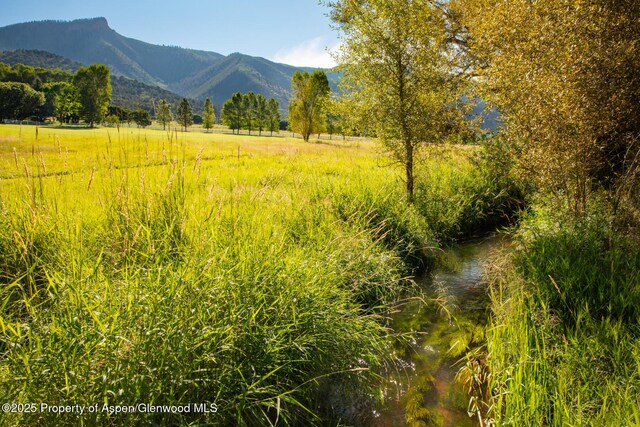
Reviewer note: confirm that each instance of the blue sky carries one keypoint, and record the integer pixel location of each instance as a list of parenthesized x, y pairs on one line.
[(288, 31)]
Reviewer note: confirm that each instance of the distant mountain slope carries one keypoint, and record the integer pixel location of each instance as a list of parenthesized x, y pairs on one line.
[(39, 58), (187, 72), (220, 80), (92, 41), (130, 94)]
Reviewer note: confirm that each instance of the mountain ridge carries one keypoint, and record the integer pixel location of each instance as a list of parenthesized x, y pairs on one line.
[(187, 72)]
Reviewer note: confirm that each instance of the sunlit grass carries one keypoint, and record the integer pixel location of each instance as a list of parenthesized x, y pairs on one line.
[(141, 265), (564, 347), (172, 268)]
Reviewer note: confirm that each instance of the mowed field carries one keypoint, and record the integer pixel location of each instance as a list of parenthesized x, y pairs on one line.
[(251, 274)]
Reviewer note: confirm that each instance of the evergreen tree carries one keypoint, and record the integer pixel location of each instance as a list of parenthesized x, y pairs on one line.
[(232, 112), (163, 113), (185, 114)]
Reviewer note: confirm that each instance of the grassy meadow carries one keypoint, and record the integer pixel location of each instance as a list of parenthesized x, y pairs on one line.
[(252, 273)]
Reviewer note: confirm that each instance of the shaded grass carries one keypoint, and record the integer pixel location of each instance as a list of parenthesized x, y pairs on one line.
[(565, 342)]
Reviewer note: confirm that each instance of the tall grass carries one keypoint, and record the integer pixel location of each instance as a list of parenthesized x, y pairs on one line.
[(476, 196), (167, 268), (564, 348)]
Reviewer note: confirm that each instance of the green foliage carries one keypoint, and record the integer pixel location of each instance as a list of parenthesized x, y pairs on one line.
[(273, 115), (35, 77), (232, 112), (565, 345), (261, 112), (93, 84), (163, 113), (19, 100), (307, 108), (401, 75), (582, 267), (123, 114), (142, 118), (574, 118), (208, 115), (333, 124), (39, 59), (184, 114), (66, 103), (398, 226), (250, 111), (112, 120), (470, 198)]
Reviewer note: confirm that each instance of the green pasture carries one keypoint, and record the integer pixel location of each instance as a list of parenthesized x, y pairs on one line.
[(171, 268)]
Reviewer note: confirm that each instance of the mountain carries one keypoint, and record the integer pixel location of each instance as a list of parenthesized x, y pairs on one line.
[(39, 58), (91, 41), (187, 72), (223, 78), (131, 94), (126, 93)]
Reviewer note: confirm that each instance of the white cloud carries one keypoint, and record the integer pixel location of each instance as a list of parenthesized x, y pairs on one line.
[(310, 53)]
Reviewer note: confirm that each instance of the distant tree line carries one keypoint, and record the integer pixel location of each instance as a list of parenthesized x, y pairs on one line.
[(120, 115), (251, 111), (135, 95), (33, 91), (131, 101)]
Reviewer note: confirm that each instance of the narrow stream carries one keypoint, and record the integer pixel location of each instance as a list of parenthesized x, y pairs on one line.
[(422, 386)]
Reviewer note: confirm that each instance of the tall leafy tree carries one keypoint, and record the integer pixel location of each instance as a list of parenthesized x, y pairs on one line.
[(66, 103), (249, 102), (307, 109), (399, 74), (141, 118), (18, 100), (93, 84), (163, 113), (333, 124), (261, 112), (184, 114), (273, 115), (232, 112), (566, 77), (61, 101), (208, 115)]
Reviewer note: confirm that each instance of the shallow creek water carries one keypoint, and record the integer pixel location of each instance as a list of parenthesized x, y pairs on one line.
[(422, 385)]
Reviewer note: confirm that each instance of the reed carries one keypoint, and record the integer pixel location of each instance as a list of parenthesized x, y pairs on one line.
[(167, 268)]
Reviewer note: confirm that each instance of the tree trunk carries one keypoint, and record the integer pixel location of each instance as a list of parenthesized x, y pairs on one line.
[(409, 171)]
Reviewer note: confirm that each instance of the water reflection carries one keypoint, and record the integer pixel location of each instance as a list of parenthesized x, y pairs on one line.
[(420, 389)]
